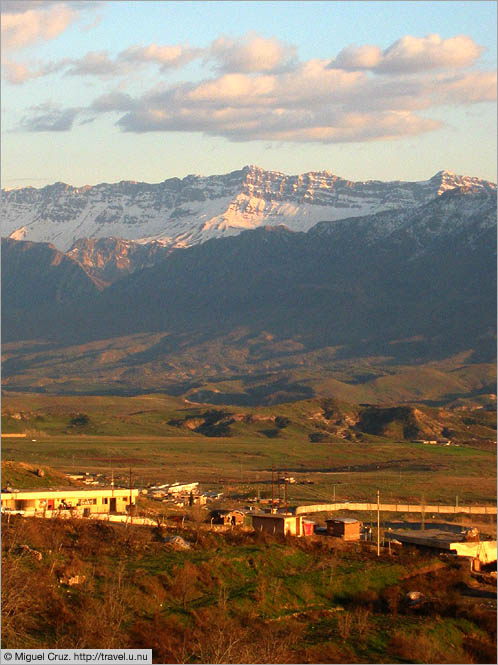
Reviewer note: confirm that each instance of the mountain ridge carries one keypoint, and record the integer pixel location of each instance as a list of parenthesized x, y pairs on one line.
[(183, 212)]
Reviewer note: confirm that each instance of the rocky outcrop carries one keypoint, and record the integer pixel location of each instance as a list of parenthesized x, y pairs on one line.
[(110, 259)]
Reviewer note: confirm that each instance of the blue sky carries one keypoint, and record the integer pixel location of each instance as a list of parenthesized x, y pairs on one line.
[(108, 91)]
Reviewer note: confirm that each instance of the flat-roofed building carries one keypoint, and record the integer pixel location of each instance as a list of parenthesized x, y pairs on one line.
[(460, 544), (180, 488), (83, 502)]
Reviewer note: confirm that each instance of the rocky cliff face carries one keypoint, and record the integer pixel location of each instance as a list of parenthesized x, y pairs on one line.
[(184, 212), (109, 259)]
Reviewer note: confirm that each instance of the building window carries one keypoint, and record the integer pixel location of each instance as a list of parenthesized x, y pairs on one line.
[(105, 500)]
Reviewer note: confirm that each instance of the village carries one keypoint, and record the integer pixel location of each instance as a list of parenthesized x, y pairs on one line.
[(182, 503)]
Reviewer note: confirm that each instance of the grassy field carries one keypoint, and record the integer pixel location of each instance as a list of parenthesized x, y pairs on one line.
[(245, 466)]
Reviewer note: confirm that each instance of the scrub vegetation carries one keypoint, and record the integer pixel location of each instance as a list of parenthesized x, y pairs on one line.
[(237, 597)]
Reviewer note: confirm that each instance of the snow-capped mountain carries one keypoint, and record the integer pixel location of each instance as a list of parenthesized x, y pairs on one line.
[(188, 211), (400, 287)]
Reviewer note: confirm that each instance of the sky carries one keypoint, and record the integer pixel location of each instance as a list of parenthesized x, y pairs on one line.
[(100, 91)]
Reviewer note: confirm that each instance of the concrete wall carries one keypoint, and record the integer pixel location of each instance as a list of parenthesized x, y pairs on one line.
[(397, 508)]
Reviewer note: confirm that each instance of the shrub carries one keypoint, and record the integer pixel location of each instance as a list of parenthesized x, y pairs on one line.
[(79, 420), (319, 437), (424, 647), (479, 650), (345, 622), (391, 597)]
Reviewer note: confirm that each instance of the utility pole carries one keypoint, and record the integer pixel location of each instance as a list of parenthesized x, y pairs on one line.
[(131, 507), (378, 523), (272, 489), (456, 502), (422, 511), (285, 491), (278, 486), (334, 495)]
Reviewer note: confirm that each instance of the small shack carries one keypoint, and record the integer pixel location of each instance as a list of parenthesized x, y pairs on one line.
[(346, 528), (278, 524), (230, 517)]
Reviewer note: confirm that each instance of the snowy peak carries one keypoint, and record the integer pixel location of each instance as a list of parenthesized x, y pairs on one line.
[(447, 180), (19, 234), (188, 211)]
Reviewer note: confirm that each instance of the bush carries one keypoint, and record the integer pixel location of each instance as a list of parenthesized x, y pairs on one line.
[(271, 433), (79, 420), (391, 597), (319, 437)]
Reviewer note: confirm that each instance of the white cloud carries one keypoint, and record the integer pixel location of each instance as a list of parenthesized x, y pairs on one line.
[(358, 57), (49, 118), (101, 64), (113, 101), (25, 22), (22, 28), (251, 53), (18, 73), (96, 63), (168, 56), (410, 54), (467, 88)]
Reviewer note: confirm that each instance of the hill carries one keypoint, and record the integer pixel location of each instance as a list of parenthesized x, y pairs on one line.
[(20, 475), (324, 419)]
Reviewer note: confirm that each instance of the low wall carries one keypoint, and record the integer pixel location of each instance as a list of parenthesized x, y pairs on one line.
[(106, 517), (397, 508)]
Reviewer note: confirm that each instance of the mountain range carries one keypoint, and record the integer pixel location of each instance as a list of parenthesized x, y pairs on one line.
[(398, 277), (188, 211)]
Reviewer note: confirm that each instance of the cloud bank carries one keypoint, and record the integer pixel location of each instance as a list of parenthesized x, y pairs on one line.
[(257, 89)]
